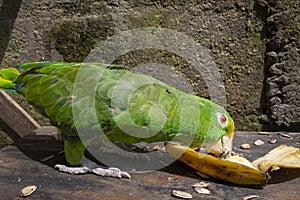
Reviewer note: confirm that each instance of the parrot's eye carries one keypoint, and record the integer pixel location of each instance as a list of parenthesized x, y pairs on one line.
[(222, 119)]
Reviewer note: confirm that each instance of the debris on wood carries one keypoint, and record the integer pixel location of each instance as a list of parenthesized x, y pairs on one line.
[(246, 146), (201, 184), (263, 133), (249, 197), (272, 140), (28, 190), (285, 136), (202, 191), (259, 142), (181, 194)]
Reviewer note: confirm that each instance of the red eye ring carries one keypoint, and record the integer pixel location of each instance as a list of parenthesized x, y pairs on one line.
[(222, 119)]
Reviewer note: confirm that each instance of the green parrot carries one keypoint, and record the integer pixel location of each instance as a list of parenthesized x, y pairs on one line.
[(92, 100)]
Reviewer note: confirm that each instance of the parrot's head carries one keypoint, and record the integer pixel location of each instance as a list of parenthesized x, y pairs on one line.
[(223, 128), (216, 130)]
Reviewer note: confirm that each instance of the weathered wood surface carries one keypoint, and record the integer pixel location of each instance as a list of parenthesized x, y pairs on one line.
[(20, 168), (15, 117)]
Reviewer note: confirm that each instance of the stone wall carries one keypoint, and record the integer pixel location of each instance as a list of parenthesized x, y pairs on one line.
[(282, 64), (261, 80)]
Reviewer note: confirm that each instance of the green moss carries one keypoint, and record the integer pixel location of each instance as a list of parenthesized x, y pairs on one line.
[(74, 39), (153, 18)]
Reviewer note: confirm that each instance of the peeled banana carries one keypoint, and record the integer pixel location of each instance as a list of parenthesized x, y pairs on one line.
[(235, 170)]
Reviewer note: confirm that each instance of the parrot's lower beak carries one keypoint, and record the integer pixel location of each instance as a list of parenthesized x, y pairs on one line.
[(221, 148)]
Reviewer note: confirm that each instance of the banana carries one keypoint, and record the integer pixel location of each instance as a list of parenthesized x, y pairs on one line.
[(230, 171)]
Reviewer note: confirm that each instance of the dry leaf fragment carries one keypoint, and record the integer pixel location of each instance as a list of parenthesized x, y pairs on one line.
[(203, 191), (246, 146), (259, 142), (181, 194), (253, 196), (28, 190)]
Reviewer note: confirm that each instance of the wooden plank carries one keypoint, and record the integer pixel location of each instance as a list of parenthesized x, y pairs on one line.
[(20, 168), (46, 131), (15, 117)]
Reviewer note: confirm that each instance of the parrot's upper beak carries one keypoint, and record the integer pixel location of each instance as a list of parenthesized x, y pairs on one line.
[(221, 148)]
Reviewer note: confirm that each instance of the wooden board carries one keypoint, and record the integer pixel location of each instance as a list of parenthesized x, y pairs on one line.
[(21, 166), (15, 117)]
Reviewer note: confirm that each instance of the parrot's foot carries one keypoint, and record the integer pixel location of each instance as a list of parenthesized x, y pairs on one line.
[(88, 166)]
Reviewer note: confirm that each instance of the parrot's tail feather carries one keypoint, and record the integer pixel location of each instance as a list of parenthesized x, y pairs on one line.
[(7, 78)]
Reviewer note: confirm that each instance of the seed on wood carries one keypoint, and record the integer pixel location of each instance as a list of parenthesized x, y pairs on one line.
[(203, 191), (28, 190), (285, 136), (250, 197), (181, 194), (201, 185), (246, 146), (263, 133), (259, 142), (272, 140)]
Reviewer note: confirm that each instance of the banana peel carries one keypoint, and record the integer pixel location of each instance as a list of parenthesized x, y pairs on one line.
[(236, 169), (281, 157)]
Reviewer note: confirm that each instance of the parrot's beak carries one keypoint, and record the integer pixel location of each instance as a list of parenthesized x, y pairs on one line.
[(221, 148)]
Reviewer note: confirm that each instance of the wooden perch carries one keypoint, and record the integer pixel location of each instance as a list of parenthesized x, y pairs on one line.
[(46, 131), (15, 117)]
